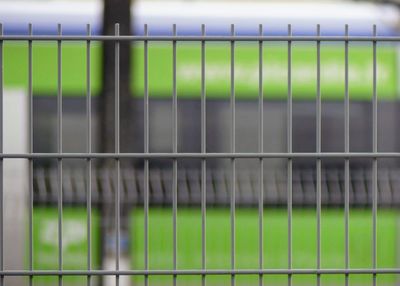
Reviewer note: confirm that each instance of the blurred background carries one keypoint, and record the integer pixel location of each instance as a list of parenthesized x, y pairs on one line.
[(189, 16)]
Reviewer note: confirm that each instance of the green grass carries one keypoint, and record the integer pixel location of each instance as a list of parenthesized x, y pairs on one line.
[(275, 244)]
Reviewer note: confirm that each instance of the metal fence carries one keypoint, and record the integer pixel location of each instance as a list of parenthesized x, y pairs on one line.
[(232, 191)]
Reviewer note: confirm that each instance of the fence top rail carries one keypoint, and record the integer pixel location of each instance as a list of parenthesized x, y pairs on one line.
[(136, 38)]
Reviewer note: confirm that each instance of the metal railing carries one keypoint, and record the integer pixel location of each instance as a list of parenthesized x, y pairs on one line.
[(174, 155)]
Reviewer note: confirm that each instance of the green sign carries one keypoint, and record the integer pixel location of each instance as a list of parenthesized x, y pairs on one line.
[(275, 70), (74, 248), (275, 254)]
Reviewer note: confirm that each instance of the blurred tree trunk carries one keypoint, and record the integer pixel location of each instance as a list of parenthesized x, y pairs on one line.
[(116, 11)]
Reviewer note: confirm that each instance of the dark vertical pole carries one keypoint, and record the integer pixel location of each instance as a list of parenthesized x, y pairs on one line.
[(116, 11)]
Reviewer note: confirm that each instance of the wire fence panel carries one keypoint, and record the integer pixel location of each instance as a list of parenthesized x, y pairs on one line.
[(210, 225)]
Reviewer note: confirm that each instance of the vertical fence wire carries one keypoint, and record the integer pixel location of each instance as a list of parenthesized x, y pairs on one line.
[(318, 149), (261, 160), (289, 150), (30, 139), (146, 161), (347, 150), (203, 150), (233, 161), (375, 160), (1, 162), (117, 160), (60, 150), (175, 162), (88, 161)]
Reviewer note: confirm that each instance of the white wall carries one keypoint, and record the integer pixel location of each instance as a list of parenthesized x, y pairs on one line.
[(15, 182)]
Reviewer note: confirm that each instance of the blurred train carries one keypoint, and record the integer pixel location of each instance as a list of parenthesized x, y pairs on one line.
[(15, 16), (189, 15)]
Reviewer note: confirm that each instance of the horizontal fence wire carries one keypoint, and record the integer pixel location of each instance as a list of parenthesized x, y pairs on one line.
[(222, 155), (203, 38), (167, 272)]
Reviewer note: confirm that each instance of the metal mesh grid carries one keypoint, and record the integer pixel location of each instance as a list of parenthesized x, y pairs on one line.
[(231, 174)]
